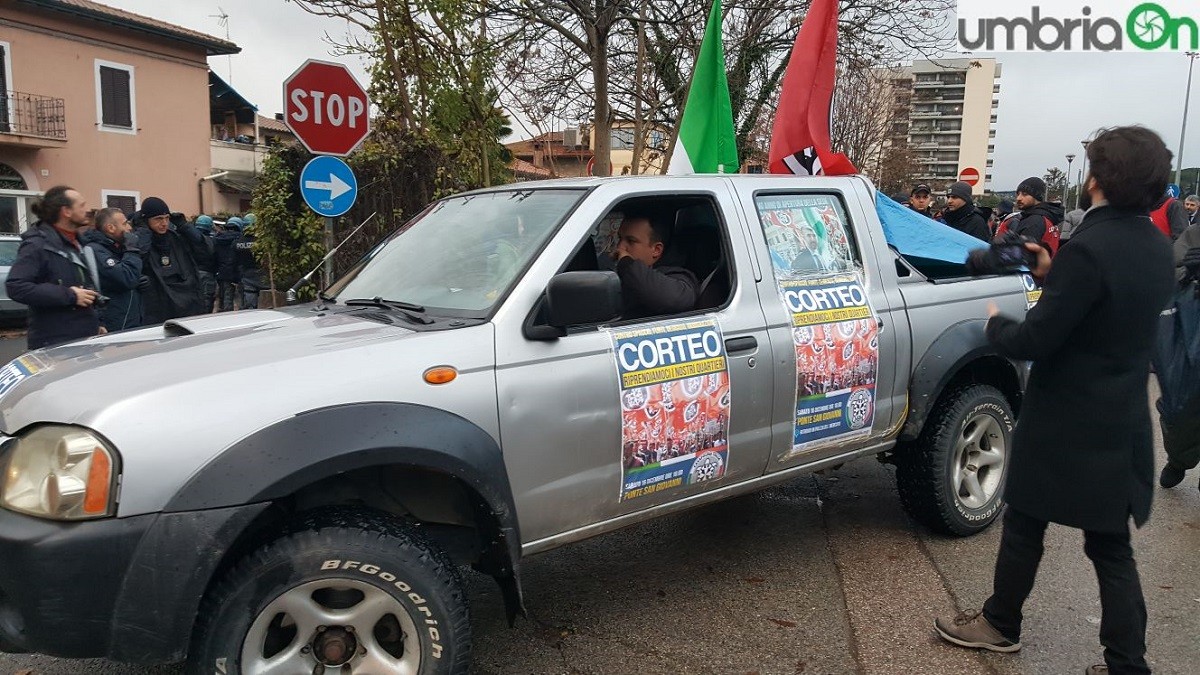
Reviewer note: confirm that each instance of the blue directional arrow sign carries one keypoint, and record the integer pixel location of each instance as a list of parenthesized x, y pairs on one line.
[(328, 186)]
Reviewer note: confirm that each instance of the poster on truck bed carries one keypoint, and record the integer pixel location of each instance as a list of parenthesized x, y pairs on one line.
[(675, 399), (834, 329)]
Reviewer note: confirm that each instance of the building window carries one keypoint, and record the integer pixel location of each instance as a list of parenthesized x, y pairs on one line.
[(622, 139), (125, 200), (116, 103)]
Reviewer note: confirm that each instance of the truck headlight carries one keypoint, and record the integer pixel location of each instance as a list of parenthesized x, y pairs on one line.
[(61, 473)]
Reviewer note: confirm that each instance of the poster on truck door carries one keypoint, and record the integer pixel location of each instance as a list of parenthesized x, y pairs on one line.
[(834, 328), (837, 358), (675, 399)]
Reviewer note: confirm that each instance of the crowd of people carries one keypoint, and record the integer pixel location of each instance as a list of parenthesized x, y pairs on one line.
[(86, 272)]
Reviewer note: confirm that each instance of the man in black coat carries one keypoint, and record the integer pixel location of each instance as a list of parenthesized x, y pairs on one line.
[(54, 275), (1083, 451), (649, 287), (168, 262), (962, 215), (119, 260), (1039, 220)]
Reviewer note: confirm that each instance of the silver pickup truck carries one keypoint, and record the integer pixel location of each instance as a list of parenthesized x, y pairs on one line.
[(296, 490)]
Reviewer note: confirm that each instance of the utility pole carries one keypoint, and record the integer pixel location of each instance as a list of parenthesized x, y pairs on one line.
[(1183, 132)]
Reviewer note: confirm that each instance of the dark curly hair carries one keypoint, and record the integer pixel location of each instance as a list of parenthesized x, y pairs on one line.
[(1132, 166)]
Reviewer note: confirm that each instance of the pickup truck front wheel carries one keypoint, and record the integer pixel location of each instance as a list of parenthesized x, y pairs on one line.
[(346, 591), (952, 478)]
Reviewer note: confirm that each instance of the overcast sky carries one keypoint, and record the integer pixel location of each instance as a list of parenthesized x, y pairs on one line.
[(1048, 102)]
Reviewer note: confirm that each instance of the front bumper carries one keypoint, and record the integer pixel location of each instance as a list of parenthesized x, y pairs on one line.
[(123, 588)]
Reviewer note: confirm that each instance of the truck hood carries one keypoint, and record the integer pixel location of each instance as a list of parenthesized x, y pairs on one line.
[(171, 398), (73, 380)]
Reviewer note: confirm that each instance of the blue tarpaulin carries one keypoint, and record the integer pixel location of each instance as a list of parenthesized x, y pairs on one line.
[(933, 248)]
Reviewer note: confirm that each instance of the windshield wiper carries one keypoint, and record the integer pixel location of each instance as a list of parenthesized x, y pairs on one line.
[(415, 313)]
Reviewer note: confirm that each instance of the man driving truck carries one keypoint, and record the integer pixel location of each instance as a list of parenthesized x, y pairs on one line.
[(649, 288)]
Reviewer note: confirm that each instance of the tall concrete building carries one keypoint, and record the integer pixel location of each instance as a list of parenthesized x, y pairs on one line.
[(946, 110)]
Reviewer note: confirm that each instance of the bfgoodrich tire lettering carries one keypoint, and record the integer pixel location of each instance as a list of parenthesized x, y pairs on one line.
[(952, 478), (341, 587)]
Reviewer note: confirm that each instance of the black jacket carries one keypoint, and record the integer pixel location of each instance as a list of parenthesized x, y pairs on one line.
[(120, 270), (225, 256), (653, 291), (174, 288), (968, 220), (1082, 453), (249, 273), (1032, 221), (46, 268)]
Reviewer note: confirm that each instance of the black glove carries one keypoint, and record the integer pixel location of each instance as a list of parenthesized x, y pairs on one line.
[(132, 243), (143, 283), (178, 219), (1191, 260)]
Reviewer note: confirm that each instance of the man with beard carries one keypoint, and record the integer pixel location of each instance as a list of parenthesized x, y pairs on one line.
[(1039, 220), (174, 288), (54, 275), (1082, 454), (962, 215), (119, 260)]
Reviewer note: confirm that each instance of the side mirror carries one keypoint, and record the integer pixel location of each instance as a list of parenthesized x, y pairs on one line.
[(576, 298)]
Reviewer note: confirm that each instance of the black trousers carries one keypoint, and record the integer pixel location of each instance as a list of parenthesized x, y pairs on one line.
[(1123, 610)]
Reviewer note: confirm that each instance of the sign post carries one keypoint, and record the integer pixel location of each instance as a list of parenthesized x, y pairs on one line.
[(328, 110)]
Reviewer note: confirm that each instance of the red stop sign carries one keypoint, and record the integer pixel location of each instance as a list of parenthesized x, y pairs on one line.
[(969, 176), (326, 108)]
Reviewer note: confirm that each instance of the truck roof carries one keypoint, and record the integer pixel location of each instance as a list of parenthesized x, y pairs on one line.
[(766, 180)]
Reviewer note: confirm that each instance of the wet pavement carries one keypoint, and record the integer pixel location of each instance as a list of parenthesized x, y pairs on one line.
[(824, 574)]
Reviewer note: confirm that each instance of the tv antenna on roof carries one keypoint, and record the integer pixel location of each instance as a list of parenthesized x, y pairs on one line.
[(223, 22)]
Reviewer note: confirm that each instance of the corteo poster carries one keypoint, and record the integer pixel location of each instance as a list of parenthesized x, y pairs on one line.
[(834, 329), (837, 358), (675, 400)]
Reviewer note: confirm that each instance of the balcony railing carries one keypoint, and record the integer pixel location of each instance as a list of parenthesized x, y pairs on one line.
[(33, 115)]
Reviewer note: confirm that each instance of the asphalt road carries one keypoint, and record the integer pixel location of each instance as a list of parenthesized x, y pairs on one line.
[(825, 574)]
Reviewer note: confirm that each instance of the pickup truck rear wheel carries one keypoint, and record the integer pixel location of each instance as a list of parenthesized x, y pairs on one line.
[(952, 478), (344, 591)]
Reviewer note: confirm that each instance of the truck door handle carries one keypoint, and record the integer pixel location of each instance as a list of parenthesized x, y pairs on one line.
[(741, 344)]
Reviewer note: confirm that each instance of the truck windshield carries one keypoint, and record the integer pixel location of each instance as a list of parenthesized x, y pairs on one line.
[(463, 254)]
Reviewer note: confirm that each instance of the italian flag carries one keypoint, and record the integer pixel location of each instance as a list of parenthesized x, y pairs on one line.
[(707, 143)]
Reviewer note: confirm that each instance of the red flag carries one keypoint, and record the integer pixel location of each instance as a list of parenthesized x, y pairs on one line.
[(800, 140)]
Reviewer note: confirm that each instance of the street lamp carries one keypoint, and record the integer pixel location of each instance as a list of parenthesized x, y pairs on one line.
[(1067, 182), (1183, 132)]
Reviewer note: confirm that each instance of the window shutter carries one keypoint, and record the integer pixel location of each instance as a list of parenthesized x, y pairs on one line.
[(114, 98), (127, 204)]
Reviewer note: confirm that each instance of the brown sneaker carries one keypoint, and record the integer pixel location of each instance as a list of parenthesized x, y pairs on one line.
[(973, 631), (1096, 670)]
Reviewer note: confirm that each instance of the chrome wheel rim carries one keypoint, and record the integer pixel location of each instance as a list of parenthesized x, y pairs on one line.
[(347, 626), (979, 459)]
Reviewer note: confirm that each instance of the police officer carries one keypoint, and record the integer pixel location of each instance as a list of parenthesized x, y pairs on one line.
[(225, 255), (206, 260), (249, 272), (119, 259)]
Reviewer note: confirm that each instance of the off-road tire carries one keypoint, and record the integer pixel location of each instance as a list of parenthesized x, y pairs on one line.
[(386, 553), (926, 468)]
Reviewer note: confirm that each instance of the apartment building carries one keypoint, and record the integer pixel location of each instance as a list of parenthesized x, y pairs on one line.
[(113, 103), (947, 113)]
